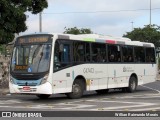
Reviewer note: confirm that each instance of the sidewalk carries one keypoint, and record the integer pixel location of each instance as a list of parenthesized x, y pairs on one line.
[(158, 76), (4, 91)]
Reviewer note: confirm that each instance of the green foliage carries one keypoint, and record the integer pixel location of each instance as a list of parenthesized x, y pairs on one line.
[(158, 63), (77, 31), (2, 49), (146, 34), (12, 16)]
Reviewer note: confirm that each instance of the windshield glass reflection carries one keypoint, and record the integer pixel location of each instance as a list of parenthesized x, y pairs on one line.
[(31, 58)]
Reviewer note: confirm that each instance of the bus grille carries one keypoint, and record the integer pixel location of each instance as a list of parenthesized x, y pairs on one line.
[(31, 90), (28, 84)]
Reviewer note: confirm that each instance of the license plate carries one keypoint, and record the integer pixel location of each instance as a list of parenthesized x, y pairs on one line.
[(26, 88)]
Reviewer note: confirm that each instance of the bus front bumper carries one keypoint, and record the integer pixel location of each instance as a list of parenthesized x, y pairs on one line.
[(45, 88)]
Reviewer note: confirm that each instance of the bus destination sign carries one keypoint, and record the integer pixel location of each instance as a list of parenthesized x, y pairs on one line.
[(21, 67), (32, 39)]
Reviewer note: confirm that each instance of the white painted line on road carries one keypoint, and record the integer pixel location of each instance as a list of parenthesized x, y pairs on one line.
[(80, 106), (140, 104), (75, 106), (123, 107), (9, 101), (125, 102), (151, 88), (146, 109), (83, 106), (128, 96), (149, 96), (5, 106), (65, 103)]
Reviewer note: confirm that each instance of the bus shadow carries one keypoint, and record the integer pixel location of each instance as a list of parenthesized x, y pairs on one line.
[(57, 98)]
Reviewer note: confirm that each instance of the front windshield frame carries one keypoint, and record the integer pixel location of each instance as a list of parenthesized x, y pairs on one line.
[(33, 51)]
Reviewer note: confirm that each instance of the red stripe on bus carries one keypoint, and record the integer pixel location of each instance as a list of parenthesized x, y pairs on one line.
[(110, 41)]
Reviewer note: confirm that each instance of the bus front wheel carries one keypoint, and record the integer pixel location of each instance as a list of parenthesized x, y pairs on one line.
[(43, 96), (77, 90), (132, 84)]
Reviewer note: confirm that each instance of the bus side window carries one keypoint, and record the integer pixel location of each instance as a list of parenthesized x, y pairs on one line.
[(61, 54), (114, 53), (111, 58), (66, 54), (140, 54), (87, 52), (79, 51), (57, 49), (127, 52), (150, 55), (98, 52)]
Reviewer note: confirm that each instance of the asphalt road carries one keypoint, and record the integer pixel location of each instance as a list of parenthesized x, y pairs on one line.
[(146, 98)]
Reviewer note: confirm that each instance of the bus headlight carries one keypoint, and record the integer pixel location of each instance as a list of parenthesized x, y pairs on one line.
[(12, 80), (44, 79)]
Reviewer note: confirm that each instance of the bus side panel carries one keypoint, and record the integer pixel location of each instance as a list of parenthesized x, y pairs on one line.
[(62, 81), (112, 75), (94, 74), (146, 73), (119, 75), (102, 76)]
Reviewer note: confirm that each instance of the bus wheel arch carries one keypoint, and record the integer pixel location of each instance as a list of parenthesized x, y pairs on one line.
[(133, 82), (82, 79), (78, 87)]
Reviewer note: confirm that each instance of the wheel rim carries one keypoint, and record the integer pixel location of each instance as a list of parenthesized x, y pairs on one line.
[(76, 89), (133, 85)]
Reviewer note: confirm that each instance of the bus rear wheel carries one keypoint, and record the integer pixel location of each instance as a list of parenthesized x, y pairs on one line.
[(77, 90), (102, 91), (43, 96), (132, 84)]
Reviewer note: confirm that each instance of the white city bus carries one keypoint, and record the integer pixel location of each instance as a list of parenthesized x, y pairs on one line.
[(46, 64)]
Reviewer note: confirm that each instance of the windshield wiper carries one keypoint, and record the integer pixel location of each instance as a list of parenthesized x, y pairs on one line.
[(41, 54), (39, 61)]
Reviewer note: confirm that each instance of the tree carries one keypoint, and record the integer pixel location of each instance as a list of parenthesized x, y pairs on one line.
[(12, 16), (77, 31), (149, 33)]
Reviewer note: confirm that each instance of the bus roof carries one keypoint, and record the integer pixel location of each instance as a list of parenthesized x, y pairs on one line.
[(104, 39), (98, 38)]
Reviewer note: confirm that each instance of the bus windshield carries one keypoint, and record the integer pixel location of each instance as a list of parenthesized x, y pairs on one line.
[(31, 58)]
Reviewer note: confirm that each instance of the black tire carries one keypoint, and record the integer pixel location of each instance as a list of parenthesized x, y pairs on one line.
[(132, 84), (124, 89), (102, 91), (43, 96), (77, 90)]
